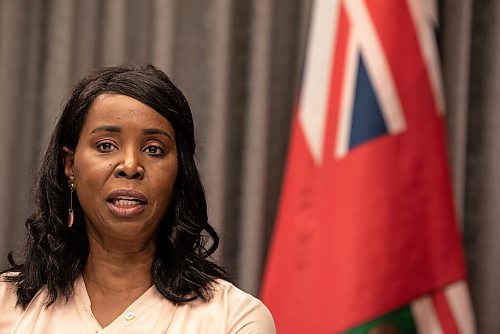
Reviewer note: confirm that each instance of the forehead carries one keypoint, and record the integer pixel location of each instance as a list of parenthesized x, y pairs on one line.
[(123, 111)]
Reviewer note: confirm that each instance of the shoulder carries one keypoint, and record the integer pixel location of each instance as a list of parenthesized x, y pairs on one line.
[(8, 303), (245, 313), (229, 311), (7, 291)]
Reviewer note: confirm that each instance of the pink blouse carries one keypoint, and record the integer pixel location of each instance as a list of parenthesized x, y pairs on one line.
[(230, 311)]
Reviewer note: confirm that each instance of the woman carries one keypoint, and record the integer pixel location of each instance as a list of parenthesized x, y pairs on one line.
[(119, 240)]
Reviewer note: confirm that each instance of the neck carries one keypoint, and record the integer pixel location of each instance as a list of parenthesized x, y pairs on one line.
[(117, 271)]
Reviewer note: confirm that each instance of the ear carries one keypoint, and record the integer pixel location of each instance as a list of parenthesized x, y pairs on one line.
[(69, 163)]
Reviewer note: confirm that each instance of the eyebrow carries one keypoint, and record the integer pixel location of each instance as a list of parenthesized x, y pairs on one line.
[(116, 129), (106, 128), (157, 132)]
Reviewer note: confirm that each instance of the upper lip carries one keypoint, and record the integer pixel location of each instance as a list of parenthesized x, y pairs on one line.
[(129, 194)]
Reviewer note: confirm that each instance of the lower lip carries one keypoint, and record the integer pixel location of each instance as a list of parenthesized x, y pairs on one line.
[(126, 211)]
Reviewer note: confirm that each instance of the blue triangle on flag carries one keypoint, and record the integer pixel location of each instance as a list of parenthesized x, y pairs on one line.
[(367, 121)]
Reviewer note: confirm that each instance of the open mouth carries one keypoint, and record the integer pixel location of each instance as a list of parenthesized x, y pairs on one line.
[(126, 202)]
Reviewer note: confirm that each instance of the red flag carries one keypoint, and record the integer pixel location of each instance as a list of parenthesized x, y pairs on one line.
[(366, 222)]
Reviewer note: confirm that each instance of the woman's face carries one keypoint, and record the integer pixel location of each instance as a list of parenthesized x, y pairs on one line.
[(124, 168)]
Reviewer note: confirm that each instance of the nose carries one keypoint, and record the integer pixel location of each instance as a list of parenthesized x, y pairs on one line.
[(130, 166)]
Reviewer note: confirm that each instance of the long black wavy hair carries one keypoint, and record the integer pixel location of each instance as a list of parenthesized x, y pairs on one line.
[(55, 254)]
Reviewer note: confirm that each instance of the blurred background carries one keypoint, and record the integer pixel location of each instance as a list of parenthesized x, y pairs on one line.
[(239, 65)]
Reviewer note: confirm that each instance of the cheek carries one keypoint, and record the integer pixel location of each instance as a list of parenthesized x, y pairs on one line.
[(164, 189), (88, 167), (90, 176)]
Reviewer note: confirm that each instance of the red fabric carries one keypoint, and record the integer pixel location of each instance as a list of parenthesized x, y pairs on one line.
[(443, 311), (359, 236)]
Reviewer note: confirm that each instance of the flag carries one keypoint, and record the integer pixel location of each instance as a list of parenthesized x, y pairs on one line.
[(366, 237)]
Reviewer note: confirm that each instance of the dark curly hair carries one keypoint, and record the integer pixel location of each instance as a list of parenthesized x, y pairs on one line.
[(55, 254)]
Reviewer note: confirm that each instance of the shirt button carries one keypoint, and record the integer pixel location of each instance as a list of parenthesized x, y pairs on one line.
[(100, 332), (129, 316)]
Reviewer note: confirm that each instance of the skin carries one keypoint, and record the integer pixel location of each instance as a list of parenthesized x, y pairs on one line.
[(124, 144)]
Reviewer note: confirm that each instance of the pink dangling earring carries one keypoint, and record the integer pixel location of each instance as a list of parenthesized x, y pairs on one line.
[(71, 215)]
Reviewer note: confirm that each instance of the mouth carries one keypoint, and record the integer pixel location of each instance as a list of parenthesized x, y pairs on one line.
[(126, 203)]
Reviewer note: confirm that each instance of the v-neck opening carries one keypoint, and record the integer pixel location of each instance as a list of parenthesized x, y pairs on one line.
[(147, 299)]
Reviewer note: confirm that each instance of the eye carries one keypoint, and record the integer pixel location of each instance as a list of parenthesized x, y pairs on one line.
[(106, 146), (154, 150)]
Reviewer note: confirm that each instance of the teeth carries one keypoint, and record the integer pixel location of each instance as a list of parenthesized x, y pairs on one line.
[(126, 202)]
